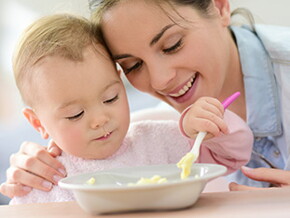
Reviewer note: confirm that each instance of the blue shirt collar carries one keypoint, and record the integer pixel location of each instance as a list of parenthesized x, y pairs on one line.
[(263, 110)]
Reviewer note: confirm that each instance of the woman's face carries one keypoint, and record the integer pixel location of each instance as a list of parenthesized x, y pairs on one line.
[(176, 60)]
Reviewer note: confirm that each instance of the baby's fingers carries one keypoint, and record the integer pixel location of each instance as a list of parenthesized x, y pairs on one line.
[(205, 125), (212, 105), (212, 123)]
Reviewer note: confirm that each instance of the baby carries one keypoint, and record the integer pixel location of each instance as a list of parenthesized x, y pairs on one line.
[(74, 95)]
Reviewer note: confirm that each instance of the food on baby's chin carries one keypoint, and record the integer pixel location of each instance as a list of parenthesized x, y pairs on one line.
[(91, 181), (185, 164), (146, 181)]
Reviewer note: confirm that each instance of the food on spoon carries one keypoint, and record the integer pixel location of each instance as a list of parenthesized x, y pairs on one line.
[(185, 164)]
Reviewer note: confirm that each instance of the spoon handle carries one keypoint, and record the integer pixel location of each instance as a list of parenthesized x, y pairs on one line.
[(195, 148), (230, 99)]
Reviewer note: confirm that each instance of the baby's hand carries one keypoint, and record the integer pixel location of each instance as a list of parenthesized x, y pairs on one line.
[(206, 115)]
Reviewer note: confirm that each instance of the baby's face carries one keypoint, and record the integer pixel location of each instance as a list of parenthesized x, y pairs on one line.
[(82, 105)]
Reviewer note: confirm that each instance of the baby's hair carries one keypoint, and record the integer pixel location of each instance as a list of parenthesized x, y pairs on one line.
[(64, 35)]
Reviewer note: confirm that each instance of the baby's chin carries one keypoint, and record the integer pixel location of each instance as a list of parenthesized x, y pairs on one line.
[(98, 155)]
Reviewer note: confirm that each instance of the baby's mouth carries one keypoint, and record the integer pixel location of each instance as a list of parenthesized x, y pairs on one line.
[(105, 136), (184, 89)]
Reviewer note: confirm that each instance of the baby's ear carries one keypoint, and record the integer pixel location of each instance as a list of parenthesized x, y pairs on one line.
[(35, 122)]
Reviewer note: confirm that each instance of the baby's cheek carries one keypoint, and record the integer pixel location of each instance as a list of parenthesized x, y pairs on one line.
[(73, 141)]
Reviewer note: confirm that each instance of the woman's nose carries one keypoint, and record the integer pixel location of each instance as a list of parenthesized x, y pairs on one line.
[(160, 75)]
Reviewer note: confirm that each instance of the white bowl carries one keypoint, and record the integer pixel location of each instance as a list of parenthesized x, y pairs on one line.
[(111, 192)]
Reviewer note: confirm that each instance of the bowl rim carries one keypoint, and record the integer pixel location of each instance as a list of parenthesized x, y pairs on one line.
[(64, 183)]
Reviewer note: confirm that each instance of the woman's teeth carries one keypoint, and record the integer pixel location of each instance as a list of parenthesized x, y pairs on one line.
[(184, 89)]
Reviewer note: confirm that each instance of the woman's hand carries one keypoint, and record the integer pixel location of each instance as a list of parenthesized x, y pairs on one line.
[(206, 115), (277, 177), (33, 166)]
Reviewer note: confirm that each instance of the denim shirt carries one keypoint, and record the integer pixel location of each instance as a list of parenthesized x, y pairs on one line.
[(265, 61)]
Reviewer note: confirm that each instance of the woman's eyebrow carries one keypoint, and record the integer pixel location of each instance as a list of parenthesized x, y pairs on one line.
[(122, 56), (155, 39), (160, 34)]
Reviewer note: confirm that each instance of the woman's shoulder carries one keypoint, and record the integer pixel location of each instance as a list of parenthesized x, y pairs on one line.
[(273, 32), (276, 40)]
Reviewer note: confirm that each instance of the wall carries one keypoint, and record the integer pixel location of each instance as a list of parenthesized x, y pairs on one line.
[(266, 12)]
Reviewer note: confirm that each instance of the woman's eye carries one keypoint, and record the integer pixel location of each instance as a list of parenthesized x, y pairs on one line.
[(75, 116), (111, 100), (134, 67), (173, 48)]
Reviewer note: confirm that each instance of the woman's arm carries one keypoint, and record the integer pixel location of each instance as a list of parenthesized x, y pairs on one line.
[(277, 177), (33, 166)]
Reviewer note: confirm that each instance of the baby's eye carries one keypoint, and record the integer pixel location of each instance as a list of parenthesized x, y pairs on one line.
[(75, 116), (111, 100), (134, 67), (173, 48)]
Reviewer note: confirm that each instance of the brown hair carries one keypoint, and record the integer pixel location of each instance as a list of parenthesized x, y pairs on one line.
[(99, 7), (61, 34), (203, 7)]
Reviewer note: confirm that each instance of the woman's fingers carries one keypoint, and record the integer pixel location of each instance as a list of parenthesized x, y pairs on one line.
[(11, 190), (32, 167), (236, 187), (25, 167), (39, 152), (53, 149), (36, 159), (274, 176), (20, 182), (279, 178), (20, 176)]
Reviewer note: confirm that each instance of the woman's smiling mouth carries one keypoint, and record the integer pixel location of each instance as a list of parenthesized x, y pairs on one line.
[(184, 89)]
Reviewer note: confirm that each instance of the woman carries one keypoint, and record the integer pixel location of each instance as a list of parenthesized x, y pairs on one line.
[(178, 51)]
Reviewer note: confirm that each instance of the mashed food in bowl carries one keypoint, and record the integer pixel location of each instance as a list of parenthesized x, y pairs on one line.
[(185, 164), (153, 180)]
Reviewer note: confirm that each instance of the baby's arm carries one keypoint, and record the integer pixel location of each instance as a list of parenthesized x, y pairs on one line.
[(232, 150)]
